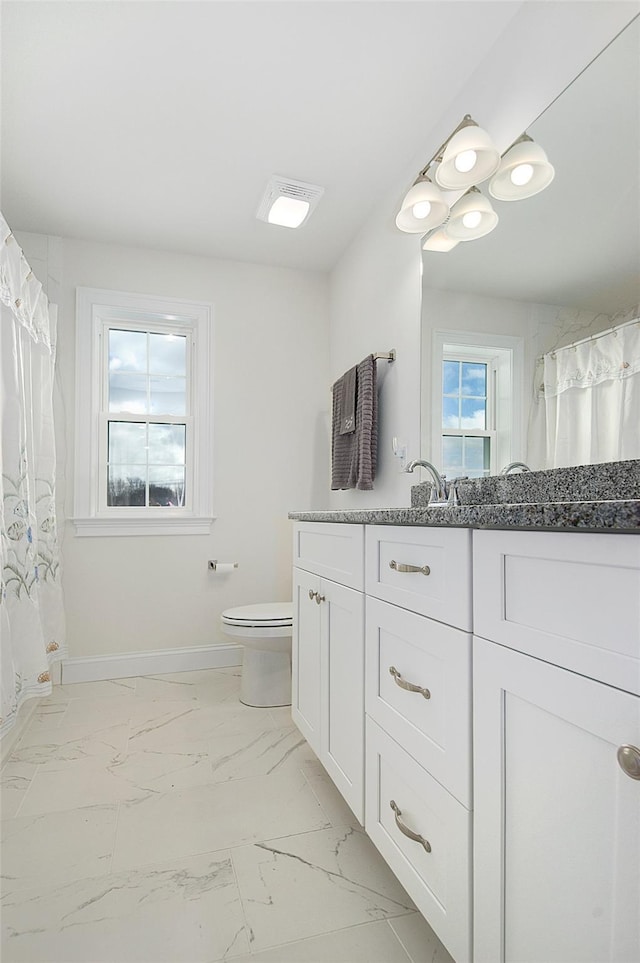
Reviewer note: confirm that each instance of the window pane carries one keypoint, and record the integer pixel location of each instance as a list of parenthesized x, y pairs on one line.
[(127, 350), (474, 413), (127, 443), (166, 487), (476, 456), (474, 379), (450, 377), (128, 392), (167, 444), (167, 354), (451, 454), (168, 396), (450, 413), (126, 485)]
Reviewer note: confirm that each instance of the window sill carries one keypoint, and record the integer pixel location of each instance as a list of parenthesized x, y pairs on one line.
[(90, 527)]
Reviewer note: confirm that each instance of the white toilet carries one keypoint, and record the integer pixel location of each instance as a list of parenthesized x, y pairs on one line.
[(265, 632)]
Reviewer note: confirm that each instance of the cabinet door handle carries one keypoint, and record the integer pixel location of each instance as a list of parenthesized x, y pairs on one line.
[(320, 598), (401, 567), (409, 686), (629, 759), (405, 829), (312, 594)]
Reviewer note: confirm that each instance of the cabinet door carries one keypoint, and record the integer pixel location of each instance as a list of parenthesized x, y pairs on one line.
[(557, 820), (342, 746), (305, 657)]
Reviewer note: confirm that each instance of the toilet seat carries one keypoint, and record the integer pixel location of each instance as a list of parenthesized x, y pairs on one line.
[(265, 615)]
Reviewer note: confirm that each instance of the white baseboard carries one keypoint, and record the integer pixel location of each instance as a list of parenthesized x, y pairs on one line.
[(129, 664)]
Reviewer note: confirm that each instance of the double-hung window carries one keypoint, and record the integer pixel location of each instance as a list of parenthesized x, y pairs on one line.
[(468, 415), (476, 401), (143, 419)]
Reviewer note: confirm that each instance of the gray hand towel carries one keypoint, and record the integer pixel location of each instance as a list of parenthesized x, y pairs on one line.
[(345, 387), (353, 456)]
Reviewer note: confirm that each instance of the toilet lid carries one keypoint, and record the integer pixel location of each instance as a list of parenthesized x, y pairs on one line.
[(267, 613)]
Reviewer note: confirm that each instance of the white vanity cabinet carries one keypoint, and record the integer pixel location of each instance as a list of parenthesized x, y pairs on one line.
[(418, 704), (557, 807), (328, 651)]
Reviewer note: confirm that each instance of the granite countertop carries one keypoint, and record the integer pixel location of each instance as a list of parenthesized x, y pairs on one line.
[(594, 498)]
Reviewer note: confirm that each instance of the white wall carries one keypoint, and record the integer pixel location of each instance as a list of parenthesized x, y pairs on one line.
[(270, 381), (375, 288)]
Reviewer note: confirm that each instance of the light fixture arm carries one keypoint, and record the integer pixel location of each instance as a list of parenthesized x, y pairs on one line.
[(467, 121)]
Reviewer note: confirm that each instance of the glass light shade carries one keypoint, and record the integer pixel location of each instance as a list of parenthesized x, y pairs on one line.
[(424, 199), (462, 226), (288, 212), (526, 153), (438, 241), (487, 161)]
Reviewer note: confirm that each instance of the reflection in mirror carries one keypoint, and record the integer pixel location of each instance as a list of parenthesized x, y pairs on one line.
[(532, 303)]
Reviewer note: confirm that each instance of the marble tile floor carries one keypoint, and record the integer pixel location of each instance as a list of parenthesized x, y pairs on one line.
[(158, 820)]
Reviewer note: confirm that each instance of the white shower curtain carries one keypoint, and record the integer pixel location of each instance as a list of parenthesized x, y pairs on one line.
[(31, 611), (587, 403)]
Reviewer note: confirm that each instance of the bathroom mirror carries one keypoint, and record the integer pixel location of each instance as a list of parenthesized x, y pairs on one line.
[(561, 266)]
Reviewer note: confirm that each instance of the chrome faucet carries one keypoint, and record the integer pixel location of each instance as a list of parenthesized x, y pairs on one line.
[(512, 466), (453, 501), (438, 494)]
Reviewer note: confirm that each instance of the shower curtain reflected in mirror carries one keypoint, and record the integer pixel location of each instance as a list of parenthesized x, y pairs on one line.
[(587, 403), (31, 610)]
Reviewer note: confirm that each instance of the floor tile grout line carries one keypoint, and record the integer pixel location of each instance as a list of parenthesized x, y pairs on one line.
[(397, 937)]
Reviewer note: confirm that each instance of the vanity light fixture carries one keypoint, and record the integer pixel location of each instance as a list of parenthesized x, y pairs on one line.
[(438, 241), (524, 171), (472, 217), (423, 207), (288, 203), (467, 158)]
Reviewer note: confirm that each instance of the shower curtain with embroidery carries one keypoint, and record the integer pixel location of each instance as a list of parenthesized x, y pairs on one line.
[(31, 612), (587, 402)]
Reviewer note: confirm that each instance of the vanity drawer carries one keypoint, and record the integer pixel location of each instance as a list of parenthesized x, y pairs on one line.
[(440, 589), (436, 730), (334, 551), (569, 599), (439, 881)]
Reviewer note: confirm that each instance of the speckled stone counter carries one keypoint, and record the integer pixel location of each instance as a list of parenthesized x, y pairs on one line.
[(610, 481), (594, 498)]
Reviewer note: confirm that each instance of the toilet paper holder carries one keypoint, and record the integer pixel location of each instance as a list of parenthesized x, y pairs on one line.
[(215, 566)]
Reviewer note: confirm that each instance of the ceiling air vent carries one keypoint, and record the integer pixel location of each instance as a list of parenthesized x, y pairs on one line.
[(287, 202)]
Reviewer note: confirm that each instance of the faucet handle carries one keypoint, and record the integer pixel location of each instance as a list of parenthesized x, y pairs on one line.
[(453, 501)]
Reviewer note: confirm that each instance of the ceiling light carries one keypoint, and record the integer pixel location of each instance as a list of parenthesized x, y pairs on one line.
[(288, 203), (472, 217), (524, 171), (423, 208), (438, 241), (469, 158)]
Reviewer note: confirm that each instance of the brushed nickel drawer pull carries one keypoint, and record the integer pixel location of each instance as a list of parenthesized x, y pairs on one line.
[(409, 686), (629, 759), (320, 598), (405, 829), (401, 567), (312, 594)]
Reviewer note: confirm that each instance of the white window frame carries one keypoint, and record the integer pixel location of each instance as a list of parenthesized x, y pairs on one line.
[(506, 355), (98, 310)]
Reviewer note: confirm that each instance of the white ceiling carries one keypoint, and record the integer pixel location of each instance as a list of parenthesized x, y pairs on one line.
[(158, 124)]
